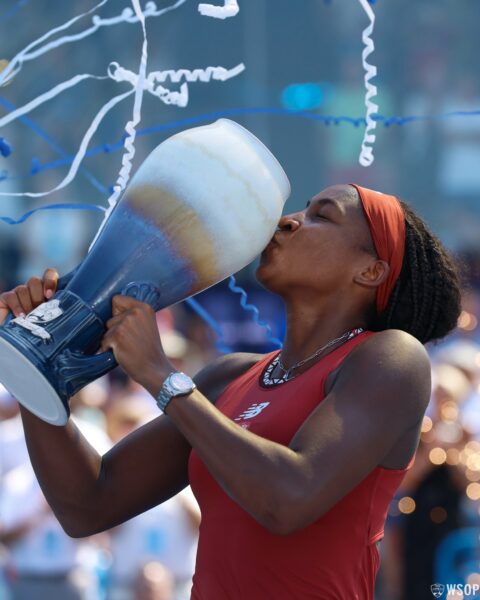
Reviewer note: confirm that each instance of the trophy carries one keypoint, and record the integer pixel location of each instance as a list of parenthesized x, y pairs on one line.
[(202, 206)]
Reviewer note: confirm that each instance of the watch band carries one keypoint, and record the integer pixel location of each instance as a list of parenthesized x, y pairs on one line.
[(170, 388), (163, 398)]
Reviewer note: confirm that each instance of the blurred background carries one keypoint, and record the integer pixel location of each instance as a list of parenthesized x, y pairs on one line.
[(299, 56)]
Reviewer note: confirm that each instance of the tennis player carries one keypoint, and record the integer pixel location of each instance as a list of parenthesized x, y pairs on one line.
[(294, 456)]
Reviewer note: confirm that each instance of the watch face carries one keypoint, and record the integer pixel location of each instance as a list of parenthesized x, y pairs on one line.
[(181, 382)]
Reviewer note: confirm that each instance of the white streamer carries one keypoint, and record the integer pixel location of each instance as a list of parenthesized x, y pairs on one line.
[(119, 74), (203, 75), (229, 9), (81, 152), (151, 85), (366, 155), (15, 63), (140, 83), (58, 89), (130, 128), (127, 16)]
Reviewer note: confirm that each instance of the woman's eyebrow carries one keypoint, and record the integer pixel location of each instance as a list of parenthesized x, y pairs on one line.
[(323, 201)]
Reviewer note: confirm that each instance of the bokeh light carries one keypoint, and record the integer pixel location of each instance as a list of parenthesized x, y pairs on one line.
[(437, 456), (406, 505)]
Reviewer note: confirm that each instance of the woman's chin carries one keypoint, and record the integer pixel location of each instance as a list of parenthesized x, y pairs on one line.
[(266, 276)]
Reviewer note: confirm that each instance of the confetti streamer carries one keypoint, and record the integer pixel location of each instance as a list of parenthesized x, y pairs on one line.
[(232, 286), (5, 148), (81, 152), (327, 120), (58, 89), (119, 74), (366, 155), (13, 10), (127, 16), (58, 149), (229, 9), (130, 128), (202, 75), (180, 98), (48, 207), (140, 82), (15, 64)]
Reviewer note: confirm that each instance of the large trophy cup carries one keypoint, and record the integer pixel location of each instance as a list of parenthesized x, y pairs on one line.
[(203, 204)]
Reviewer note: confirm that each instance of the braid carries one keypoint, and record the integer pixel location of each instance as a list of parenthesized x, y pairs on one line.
[(413, 258), (426, 298)]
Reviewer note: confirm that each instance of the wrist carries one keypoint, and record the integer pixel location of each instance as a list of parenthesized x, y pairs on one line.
[(154, 378)]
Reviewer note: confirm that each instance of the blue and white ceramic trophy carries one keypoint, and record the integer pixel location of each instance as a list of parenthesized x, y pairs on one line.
[(203, 204)]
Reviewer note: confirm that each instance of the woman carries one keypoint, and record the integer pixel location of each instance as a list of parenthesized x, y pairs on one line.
[(296, 464)]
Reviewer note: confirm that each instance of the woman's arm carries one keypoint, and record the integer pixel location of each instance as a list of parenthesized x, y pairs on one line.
[(381, 392), (89, 493)]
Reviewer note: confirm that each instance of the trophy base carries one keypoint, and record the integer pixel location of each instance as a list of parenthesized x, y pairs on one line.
[(27, 385)]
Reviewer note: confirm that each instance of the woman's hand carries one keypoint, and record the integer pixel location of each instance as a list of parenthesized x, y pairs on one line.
[(24, 298), (132, 335)]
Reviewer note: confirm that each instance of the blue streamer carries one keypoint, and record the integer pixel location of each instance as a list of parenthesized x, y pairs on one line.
[(5, 148), (66, 206), (37, 167), (13, 10), (58, 149), (232, 286), (327, 120), (205, 315)]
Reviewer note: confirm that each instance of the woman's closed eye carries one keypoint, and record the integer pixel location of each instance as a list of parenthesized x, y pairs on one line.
[(322, 216)]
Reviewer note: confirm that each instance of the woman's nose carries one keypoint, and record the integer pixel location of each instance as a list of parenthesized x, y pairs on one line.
[(289, 222)]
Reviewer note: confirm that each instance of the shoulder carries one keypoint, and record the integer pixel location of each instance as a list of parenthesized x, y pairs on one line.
[(392, 347), (391, 366), (215, 377), (389, 352), (397, 350)]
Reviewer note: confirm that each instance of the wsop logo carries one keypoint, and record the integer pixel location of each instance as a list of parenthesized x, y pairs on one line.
[(456, 589), (437, 589)]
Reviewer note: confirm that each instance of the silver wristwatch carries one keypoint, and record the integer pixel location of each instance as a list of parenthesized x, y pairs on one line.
[(176, 384)]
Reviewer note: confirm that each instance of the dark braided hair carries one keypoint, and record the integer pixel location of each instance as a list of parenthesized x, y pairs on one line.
[(426, 300)]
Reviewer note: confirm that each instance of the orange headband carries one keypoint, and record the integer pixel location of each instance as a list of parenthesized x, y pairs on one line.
[(386, 220)]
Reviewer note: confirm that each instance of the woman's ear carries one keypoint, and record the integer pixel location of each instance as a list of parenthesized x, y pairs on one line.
[(373, 274)]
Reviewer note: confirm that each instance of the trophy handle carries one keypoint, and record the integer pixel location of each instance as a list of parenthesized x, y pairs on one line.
[(74, 369)]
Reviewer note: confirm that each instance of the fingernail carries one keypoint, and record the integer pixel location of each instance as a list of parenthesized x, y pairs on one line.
[(22, 315), (48, 294)]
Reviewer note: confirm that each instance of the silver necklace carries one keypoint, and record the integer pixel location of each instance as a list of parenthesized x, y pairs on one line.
[(287, 373)]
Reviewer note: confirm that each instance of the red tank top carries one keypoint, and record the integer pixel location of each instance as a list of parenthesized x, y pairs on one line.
[(334, 558)]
